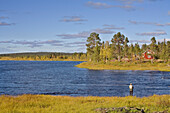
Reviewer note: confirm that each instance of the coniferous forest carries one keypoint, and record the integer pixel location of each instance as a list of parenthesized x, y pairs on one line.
[(120, 49)]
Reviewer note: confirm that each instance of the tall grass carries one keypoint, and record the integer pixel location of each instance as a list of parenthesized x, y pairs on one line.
[(66, 104)]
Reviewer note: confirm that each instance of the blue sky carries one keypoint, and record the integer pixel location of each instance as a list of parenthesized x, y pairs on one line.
[(64, 25)]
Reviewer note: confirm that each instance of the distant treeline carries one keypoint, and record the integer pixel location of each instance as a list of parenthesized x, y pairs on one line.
[(43, 56), (34, 54), (120, 50)]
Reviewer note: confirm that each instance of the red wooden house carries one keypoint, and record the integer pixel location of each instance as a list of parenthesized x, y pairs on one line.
[(148, 54)]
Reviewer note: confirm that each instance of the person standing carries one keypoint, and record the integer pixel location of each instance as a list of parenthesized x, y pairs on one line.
[(131, 89)]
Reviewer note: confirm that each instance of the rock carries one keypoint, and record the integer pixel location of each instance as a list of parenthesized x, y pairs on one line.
[(125, 110), (161, 112), (121, 109)]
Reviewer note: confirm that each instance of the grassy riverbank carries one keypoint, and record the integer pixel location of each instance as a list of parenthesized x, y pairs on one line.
[(125, 66), (65, 104)]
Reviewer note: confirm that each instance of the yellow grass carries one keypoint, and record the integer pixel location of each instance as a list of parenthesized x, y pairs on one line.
[(125, 66), (66, 104)]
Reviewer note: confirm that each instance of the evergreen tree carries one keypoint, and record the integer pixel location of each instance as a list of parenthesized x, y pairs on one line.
[(131, 50), (163, 53), (96, 56), (102, 52), (119, 47), (108, 54), (93, 41), (153, 44), (118, 40), (126, 46), (113, 50), (144, 47), (160, 45), (168, 50), (137, 49)]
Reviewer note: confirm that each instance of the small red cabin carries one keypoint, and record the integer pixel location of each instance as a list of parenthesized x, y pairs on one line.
[(148, 54)]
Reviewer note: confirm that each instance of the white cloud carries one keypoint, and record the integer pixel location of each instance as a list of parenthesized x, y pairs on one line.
[(152, 33), (5, 24), (99, 5), (168, 24), (102, 31), (162, 40), (130, 1), (147, 41), (135, 1), (112, 27), (73, 19), (5, 50), (140, 41), (75, 43), (83, 34), (149, 23), (168, 12), (33, 44), (3, 17)]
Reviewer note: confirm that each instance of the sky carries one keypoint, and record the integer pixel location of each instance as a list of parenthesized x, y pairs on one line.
[(64, 25)]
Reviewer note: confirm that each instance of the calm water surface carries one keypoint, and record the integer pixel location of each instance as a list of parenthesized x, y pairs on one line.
[(62, 78)]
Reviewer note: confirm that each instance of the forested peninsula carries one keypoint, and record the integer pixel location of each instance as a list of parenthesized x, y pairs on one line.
[(119, 55)]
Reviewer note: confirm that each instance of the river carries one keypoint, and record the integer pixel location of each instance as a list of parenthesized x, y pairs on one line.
[(62, 78)]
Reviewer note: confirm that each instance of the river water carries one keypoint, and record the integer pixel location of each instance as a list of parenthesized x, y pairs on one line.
[(62, 78)]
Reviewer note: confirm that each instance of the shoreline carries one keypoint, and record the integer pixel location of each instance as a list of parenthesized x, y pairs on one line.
[(112, 66), (124, 66)]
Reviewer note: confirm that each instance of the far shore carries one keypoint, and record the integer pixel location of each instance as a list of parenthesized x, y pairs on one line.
[(108, 66), (19, 59), (125, 66)]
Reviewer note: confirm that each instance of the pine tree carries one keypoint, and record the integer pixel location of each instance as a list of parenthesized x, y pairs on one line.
[(108, 54), (93, 41), (144, 47), (168, 50), (126, 47), (102, 52), (113, 50), (96, 56), (137, 49), (118, 40), (160, 45), (153, 44), (131, 50), (163, 53)]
